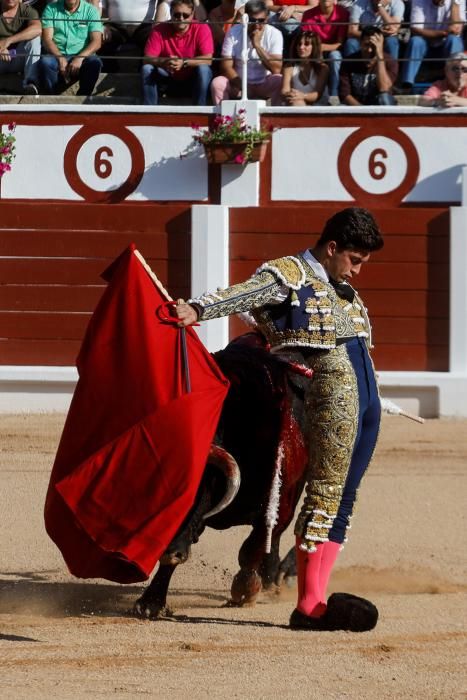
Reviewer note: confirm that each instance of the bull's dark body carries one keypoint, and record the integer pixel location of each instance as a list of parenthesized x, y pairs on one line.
[(249, 430)]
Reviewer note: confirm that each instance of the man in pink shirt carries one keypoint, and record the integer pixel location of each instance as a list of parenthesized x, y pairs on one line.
[(452, 91), (330, 22), (178, 57)]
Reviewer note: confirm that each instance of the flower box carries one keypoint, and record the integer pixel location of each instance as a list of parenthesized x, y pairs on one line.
[(235, 153)]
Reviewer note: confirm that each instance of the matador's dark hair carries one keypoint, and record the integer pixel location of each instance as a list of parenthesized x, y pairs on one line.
[(353, 229)]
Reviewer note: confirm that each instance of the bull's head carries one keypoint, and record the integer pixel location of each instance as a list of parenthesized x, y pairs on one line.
[(179, 549)]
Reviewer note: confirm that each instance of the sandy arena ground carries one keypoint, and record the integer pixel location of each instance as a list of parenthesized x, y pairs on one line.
[(66, 638)]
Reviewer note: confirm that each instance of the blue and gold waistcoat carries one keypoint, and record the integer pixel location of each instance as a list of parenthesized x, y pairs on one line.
[(313, 315), (291, 306)]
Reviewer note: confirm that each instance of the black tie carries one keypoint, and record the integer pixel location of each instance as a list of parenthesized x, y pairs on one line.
[(344, 290)]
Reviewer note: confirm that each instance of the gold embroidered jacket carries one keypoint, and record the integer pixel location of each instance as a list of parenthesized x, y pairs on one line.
[(291, 305)]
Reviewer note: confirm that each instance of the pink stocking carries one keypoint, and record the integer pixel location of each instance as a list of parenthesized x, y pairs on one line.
[(330, 550), (308, 575)]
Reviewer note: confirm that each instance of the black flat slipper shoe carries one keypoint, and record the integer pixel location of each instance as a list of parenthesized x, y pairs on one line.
[(349, 612), (344, 612)]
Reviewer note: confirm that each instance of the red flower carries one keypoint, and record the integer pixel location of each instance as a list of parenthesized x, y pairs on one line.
[(11, 126), (240, 159)]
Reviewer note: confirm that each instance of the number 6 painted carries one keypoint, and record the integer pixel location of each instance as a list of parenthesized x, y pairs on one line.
[(376, 167), (103, 166)]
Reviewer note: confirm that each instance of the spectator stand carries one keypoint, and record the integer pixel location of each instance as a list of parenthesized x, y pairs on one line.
[(122, 86)]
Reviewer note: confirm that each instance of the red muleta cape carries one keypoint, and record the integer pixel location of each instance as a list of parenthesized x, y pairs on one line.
[(135, 444)]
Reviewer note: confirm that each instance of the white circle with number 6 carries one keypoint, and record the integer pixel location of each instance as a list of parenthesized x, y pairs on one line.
[(104, 162), (378, 165)]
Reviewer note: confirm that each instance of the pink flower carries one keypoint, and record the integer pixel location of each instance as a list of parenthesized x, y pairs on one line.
[(11, 126), (240, 159), (241, 111), (196, 127), (5, 149)]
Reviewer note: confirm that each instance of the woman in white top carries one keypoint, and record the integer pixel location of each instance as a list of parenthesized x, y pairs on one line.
[(305, 76)]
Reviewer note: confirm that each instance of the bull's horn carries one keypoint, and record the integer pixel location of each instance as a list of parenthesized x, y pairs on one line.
[(222, 459)]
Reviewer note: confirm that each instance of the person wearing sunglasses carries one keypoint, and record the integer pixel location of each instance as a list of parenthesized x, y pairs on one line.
[(264, 52), (452, 91), (178, 57), (436, 32)]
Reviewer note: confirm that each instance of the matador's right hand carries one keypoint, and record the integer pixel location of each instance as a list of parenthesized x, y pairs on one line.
[(187, 315)]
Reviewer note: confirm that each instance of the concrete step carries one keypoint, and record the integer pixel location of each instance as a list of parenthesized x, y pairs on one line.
[(113, 85), (111, 88)]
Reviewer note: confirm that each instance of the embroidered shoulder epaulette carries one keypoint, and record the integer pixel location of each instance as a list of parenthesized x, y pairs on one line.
[(288, 270)]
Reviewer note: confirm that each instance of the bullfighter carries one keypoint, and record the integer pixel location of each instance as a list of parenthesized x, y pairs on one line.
[(310, 314)]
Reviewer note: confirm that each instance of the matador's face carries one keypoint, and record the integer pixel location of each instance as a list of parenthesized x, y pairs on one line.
[(343, 264)]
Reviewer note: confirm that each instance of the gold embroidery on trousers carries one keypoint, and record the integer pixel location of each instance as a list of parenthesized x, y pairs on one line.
[(331, 418)]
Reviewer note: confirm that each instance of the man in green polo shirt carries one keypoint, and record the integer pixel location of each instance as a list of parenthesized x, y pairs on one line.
[(71, 34)]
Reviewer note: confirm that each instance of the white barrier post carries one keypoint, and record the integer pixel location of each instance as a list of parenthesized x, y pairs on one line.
[(458, 283), (464, 186), (210, 265), (245, 56)]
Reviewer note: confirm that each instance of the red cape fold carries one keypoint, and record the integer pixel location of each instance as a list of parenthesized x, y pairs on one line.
[(135, 444)]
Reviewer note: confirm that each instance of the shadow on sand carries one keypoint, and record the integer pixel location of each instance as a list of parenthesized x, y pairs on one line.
[(36, 593)]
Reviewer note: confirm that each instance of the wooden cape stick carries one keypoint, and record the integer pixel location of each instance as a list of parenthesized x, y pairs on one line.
[(392, 408), (163, 291)]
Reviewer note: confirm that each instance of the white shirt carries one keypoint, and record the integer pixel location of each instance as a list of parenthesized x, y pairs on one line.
[(129, 11), (297, 84), (426, 14), (316, 266), (271, 41)]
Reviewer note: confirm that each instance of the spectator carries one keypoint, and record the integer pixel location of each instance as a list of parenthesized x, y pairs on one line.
[(20, 43), (385, 14), (163, 11), (39, 5), (436, 27), (221, 19), (368, 81), (305, 77), (287, 14), (72, 33), (178, 57), (129, 22), (330, 22), (452, 91), (264, 56)]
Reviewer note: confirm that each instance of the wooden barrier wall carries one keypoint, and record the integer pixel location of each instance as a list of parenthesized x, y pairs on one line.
[(405, 286), (51, 259), (52, 255)]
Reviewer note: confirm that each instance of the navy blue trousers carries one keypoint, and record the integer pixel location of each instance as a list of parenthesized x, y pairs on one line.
[(369, 416)]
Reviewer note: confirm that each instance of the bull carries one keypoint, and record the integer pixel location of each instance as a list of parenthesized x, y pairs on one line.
[(258, 425)]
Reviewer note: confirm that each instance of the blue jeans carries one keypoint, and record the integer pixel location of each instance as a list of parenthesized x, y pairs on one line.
[(154, 78), (26, 60), (333, 61), (50, 77), (391, 46), (385, 99), (418, 48)]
